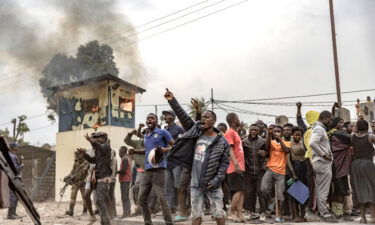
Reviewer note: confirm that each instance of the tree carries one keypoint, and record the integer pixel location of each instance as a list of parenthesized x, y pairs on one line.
[(19, 129), (91, 60), (202, 105), (22, 127)]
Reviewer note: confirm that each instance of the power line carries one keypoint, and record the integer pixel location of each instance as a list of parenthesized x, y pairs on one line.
[(301, 96), (154, 20), (28, 118), (168, 21), (39, 128), (278, 103), (180, 25), (232, 108)]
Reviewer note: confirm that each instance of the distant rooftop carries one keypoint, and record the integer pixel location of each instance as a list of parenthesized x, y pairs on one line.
[(96, 80)]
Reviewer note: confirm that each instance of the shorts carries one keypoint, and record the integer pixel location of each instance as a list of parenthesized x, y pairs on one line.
[(341, 186), (185, 178), (269, 179), (216, 201), (236, 182)]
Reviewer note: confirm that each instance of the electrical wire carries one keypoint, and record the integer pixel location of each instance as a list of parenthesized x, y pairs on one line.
[(27, 118), (166, 22), (301, 96), (180, 25)]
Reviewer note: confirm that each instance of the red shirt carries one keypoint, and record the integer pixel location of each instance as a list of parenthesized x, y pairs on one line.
[(234, 141), (128, 171)]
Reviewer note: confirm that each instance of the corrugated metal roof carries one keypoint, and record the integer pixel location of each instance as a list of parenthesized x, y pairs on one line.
[(106, 77)]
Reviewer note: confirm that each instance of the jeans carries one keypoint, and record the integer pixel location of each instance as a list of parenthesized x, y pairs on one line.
[(172, 180), (270, 179), (102, 200), (154, 179), (253, 182), (112, 199), (125, 198), (13, 203)]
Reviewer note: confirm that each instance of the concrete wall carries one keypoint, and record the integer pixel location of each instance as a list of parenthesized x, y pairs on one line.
[(67, 143), (72, 113)]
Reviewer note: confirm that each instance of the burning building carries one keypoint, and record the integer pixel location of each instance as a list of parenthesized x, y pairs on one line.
[(104, 103)]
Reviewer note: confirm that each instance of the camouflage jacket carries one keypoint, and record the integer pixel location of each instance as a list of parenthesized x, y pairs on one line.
[(79, 171)]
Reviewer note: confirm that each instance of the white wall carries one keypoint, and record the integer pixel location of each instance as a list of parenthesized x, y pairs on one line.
[(67, 143)]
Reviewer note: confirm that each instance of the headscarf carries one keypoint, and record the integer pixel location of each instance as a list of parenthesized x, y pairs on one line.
[(311, 117)]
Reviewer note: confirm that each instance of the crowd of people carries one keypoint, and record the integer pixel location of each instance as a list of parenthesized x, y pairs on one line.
[(199, 169)]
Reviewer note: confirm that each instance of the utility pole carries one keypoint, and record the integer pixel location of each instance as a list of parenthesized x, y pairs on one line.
[(333, 31), (156, 109), (212, 99)]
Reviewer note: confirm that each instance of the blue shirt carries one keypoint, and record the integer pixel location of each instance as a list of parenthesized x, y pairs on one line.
[(175, 131), (157, 138)]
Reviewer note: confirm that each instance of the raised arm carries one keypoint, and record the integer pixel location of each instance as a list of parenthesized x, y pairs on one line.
[(269, 139), (284, 147), (335, 105), (186, 121), (300, 121), (128, 139)]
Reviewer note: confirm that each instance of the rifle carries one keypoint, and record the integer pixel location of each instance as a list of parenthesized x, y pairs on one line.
[(62, 192), (15, 183), (68, 181)]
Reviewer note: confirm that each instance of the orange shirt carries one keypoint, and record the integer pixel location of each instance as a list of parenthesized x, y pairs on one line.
[(277, 160), (234, 140)]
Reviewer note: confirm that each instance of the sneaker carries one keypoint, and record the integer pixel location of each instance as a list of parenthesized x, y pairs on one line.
[(180, 218), (279, 220), (311, 217), (13, 217), (268, 214), (68, 213), (262, 217), (329, 219), (347, 218), (92, 218)]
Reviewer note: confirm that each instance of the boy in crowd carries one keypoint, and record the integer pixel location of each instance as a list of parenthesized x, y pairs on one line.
[(173, 172), (298, 168), (235, 169), (124, 177), (206, 152), (276, 168), (255, 152)]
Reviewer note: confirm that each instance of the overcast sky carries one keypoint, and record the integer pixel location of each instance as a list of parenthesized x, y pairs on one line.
[(258, 49)]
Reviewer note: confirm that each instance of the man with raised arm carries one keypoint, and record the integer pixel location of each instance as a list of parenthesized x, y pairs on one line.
[(203, 150)]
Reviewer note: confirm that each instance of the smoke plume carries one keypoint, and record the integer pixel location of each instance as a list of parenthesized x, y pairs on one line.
[(32, 34)]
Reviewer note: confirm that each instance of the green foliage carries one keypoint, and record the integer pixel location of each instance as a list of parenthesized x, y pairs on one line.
[(202, 105), (91, 60), (21, 129)]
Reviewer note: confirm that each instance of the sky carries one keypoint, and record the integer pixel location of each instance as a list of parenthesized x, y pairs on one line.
[(257, 49)]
